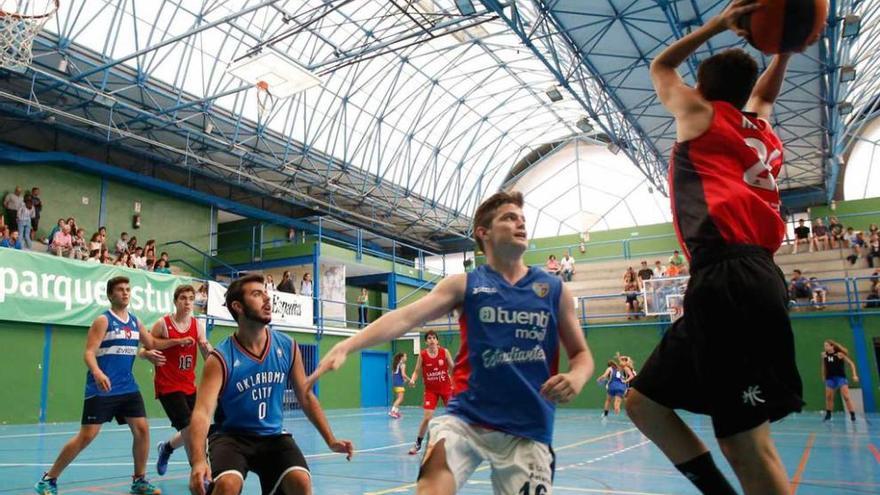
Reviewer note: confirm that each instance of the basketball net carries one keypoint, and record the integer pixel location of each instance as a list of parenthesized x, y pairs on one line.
[(264, 98), (20, 22)]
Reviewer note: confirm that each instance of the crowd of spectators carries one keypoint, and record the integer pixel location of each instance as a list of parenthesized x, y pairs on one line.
[(820, 237), (18, 227)]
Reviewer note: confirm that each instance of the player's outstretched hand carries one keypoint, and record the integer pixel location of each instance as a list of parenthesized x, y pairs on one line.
[(331, 361), (730, 16), (155, 357), (561, 388), (343, 447), (199, 478)]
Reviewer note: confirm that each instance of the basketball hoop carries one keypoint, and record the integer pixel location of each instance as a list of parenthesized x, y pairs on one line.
[(264, 98), (20, 22)]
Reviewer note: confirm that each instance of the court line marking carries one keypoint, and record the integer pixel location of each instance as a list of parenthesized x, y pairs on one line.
[(874, 451), (117, 464), (584, 490), (796, 480), (602, 458), (407, 486)]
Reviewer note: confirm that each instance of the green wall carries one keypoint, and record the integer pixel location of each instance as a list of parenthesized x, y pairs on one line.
[(859, 214), (163, 218)]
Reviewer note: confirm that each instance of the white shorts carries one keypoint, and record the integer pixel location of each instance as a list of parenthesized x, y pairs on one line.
[(519, 465)]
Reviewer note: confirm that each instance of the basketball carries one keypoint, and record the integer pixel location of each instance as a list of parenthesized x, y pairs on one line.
[(781, 26)]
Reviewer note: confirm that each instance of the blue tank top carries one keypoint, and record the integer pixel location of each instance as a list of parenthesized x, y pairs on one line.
[(252, 397), (616, 379), (397, 378), (509, 348), (116, 356)]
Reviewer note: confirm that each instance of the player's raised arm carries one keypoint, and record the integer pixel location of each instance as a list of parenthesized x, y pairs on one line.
[(768, 87)]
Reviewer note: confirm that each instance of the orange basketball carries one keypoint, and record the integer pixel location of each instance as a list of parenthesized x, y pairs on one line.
[(781, 26)]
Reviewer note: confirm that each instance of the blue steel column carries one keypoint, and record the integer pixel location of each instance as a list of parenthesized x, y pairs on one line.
[(44, 382), (316, 287)]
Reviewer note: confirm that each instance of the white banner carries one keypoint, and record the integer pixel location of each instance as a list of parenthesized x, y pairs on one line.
[(287, 309)]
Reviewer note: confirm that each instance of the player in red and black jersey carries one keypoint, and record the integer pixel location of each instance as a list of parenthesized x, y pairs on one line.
[(175, 380), (436, 365), (726, 212)]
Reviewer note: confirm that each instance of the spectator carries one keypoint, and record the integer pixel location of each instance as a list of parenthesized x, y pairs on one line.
[(856, 241), (150, 264), (162, 267), (132, 244), (801, 236), (24, 216), (80, 250), (105, 258), (566, 267), (675, 271), (838, 240), (645, 273), (582, 247), (305, 287), (12, 241), (138, 260), (62, 243), (150, 249), (676, 259), (12, 202), (94, 242), (201, 302), (552, 266), (269, 283), (122, 244), (362, 308), (821, 240), (121, 260), (55, 229), (659, 269), (631, 291), (102, 231), (286, 284), (164, 257), (799, 287), (38, 207), (873, 229), (3, 230), (94, 256), (819, 293), (71, 222), (873, 299), (873, 249)]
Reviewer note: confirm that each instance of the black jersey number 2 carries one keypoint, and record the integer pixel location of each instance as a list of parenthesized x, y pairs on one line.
[(527, 487)]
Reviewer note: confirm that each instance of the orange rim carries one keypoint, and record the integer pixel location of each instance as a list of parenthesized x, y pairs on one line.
[(3, 13)]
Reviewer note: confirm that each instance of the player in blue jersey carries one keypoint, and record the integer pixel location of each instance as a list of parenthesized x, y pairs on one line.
[(513, 319), (244, 381), (614, 379), (111, 390)]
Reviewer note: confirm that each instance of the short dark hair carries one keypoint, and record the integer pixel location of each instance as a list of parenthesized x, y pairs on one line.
[(235, 292), (430, 333), (122, 234), (486, 211), (113, 282), (728, 76), (183, 288), (797, 271)]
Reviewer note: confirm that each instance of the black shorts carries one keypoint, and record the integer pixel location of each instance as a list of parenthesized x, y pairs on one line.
[(271, 457), (179, 407), (632, 297), (103, 408), (731, 355)]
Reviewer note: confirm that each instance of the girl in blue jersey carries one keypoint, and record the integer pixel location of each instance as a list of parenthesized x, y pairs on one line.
[(614, 379), (506, 383), (398, 368)]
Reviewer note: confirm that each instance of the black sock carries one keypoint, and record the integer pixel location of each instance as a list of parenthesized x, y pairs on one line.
[(419, 442), (138, 477), (704, 474), (167, 447), (852, 415), (47, 478), (605, 412), (827, 415)]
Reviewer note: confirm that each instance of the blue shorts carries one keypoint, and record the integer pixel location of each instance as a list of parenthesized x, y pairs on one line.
[(617, 389), (835, 382)]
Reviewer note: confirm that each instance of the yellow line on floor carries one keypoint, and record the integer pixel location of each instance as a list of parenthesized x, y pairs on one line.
[(406, 487)]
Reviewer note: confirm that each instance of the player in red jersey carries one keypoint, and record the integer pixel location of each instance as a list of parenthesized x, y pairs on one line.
[(175, 380), (726, 213), (436, 365)]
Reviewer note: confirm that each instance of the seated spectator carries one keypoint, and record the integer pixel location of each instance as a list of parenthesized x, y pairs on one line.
[(105, 258), (873, 229), (582, 247), (873, 299), (71, 222), (659, 269), (102, 231), (286, 284), (122, 244), (552, 266), (62, 243), (856, 241), (675, 271), (121, 260), (566, 267), (80, 249), (645, 273), (95, 242), (150, 260), (3, 231), (873, 249), (819, 293), (55, 229), (164, 257), (631, 291), (820, 241), (799, 288), (162, 267), (94, 256), (150, 249), (11, 241), (269, 283), (676, 259), (138, 260), (305, 287), (801, 236), (201, 302), (132, 244), (835, 228)]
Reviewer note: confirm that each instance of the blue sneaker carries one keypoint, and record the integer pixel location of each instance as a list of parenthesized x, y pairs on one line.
[(164, 456), (46, 487), (141, 486)]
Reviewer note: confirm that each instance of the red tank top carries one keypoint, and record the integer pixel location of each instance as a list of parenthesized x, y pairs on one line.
[(178, 374), (435, 370), (723, 184)]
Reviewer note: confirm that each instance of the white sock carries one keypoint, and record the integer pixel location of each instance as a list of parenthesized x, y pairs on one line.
[(394, 409)]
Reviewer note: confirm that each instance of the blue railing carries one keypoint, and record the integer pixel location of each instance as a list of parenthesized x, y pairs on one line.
[(207, 259)]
